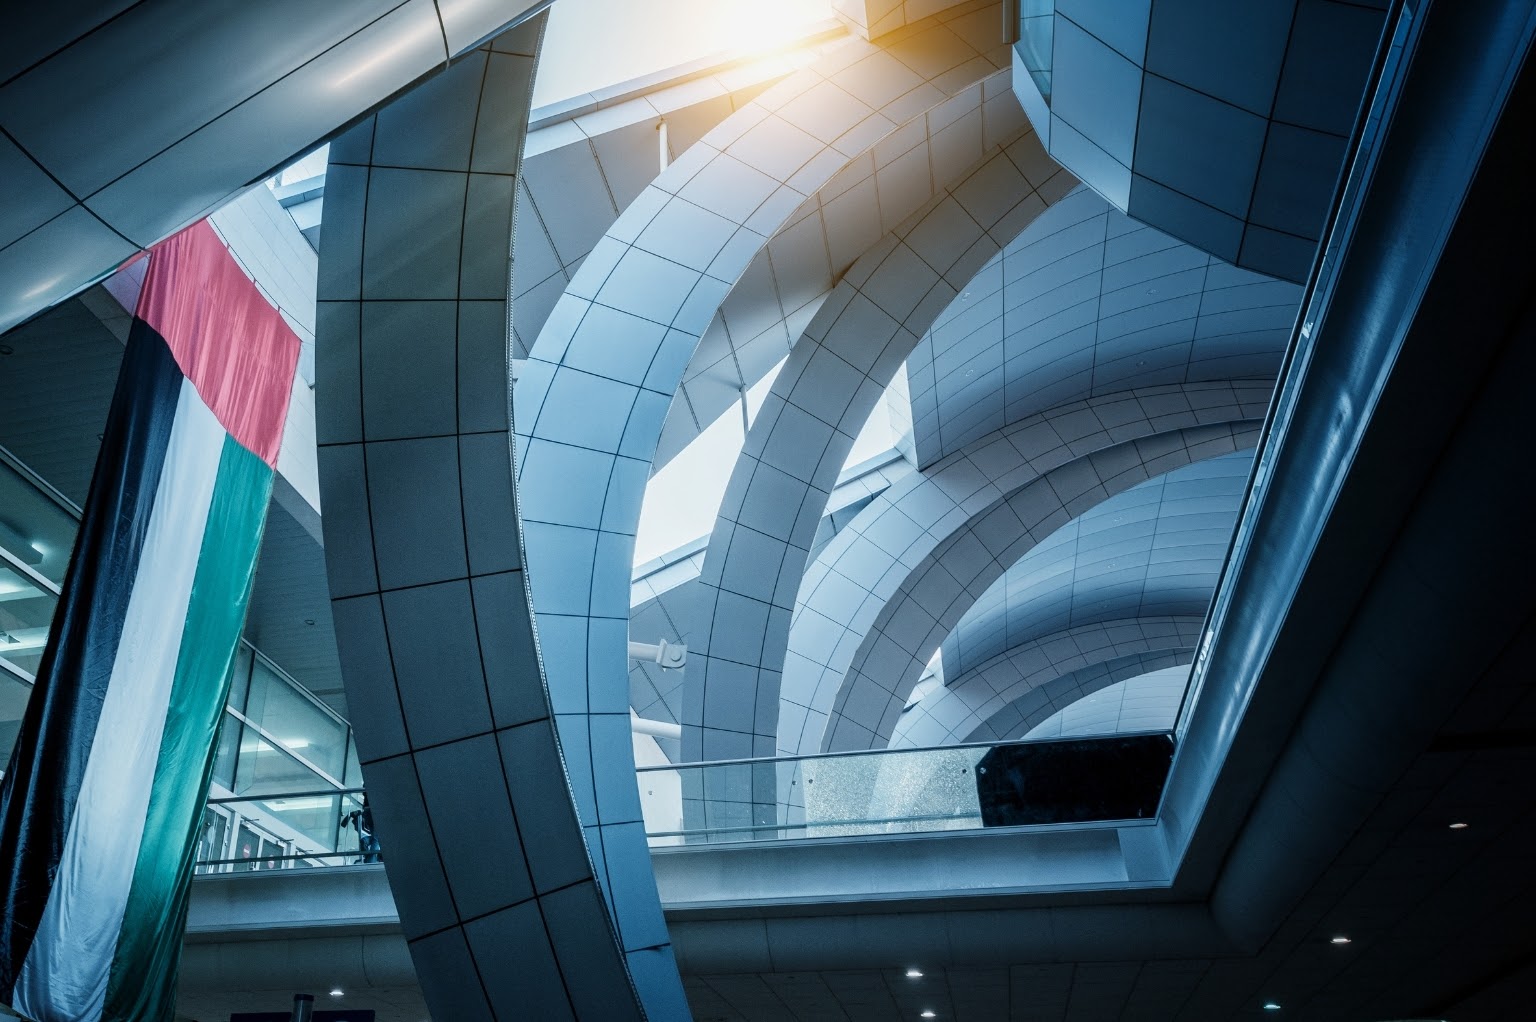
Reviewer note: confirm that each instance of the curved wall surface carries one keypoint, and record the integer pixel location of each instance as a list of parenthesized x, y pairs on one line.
[(1012, 692), (121, 123), (599, 380), (1154, 550), (797, 446), (1223, 124), (1086, 302), (931, 544), (1014, 720), (504, 911)]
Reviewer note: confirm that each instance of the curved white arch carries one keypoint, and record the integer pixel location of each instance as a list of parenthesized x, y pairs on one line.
[(800, 440), (1145, 702), (1084, 302), (1211, 322), (972, 702), (1155, 549), (979, 509), (1013, 720), (590, 410)]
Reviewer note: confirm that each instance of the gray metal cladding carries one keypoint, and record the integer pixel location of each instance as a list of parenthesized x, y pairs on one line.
[(125, 122), (505, 915)]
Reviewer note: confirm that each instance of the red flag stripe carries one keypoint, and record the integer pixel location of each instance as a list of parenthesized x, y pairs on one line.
[(246, 384)]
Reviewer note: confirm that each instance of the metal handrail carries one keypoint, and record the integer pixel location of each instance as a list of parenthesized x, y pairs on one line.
[(317, 793), (766, 760), (1357, 160), (348, 852)]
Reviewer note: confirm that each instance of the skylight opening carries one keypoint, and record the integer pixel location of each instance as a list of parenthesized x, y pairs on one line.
[(593, 44), (683, 498)]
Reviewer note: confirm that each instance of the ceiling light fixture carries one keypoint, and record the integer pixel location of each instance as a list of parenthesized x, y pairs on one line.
[(914, 973), (1271, 1006), (927, 1013), (337, 992), (1339, 940), (1458, 825)]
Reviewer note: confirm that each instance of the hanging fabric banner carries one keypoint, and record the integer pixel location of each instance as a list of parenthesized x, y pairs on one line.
[(103, 796)]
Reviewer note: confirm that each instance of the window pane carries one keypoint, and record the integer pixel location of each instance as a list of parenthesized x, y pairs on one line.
[(292, 719), (265, 768), (26, 609), (33, 528), (13, 702), (240, 681), (224, 760)]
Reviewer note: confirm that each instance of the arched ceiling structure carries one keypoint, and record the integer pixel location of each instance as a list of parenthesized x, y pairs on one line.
[(802, 436), (1014, 721), (778, 292), (1121, 578), (1154, 550), (590, 411), (1015, 690), (1145, 702), (581, 169), (1074, 320), (1087, 301), (786, 280), (934, 542), (1223, 124)]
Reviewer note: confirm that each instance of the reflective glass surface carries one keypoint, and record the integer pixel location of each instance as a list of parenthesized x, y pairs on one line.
[(288, 740), (34, 529), (1037, 20), (907, 791), (294, 720), (26, 610), (13, 700)]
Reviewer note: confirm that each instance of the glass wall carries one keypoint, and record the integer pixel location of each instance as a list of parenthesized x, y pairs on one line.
[(13, 700), (36, 534), (276, 736)]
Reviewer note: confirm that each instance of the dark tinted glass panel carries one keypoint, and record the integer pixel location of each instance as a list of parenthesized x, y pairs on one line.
[(1119, 778)]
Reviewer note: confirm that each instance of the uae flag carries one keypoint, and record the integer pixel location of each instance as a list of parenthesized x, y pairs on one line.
[(102, 799)]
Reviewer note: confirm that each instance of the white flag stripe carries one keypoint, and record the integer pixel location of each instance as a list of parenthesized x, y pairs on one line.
[(64, 978)]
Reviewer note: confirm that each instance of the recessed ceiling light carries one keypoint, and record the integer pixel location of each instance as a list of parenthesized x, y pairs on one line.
[(1271, 1006), (914, 973), (337, 992), (1339, 940), (927, 1014), (1458, 825)]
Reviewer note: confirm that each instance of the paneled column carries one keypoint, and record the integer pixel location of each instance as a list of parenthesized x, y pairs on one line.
[(504, 913)]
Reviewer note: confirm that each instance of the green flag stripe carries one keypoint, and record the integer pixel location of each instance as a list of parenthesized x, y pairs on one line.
[(144, 968)]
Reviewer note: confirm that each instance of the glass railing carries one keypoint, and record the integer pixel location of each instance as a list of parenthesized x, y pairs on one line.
[(1110, 779), (36, 534), (293, 830), (1105, 779)]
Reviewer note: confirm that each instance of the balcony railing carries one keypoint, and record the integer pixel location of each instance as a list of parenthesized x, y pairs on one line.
[(1074, 782)]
